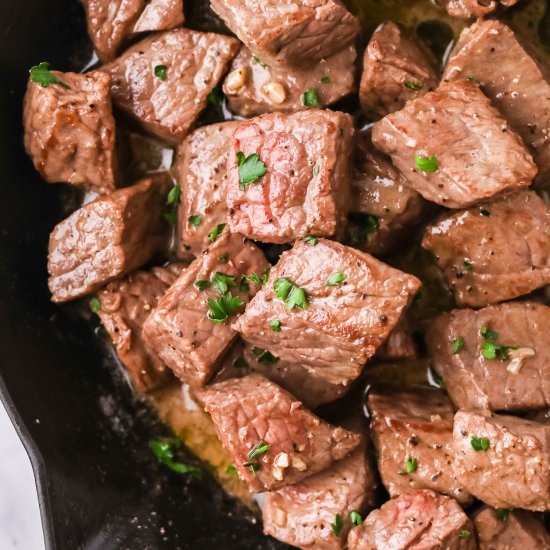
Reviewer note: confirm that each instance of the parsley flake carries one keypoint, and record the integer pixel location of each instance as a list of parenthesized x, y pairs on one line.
[(243, 285), (259, 449), (165, 450), (257, 279), (310, 98), (325, 80), (336, 279), (202, 284), (426, 164), (222, 308), (223, 282), (251, 169), (172, 200), (337, 525), (267, 358), (161, 71), (254, 467), (464, 534), (215, 233), (195, 220), (458, 344), (468, 266), (367, 224), (259, 62), (231, 470), (480, 443), (502, 514), (292, 295), (95, 305), (355, 518), (223, 259), (413, 86), (240, 363), (410, 466), (275, 325), (215, 97), (311, 240), (41, 75)]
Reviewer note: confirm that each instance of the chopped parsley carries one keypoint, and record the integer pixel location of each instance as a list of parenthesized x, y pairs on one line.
[(165, 450), (215, 233), (223, 259), (325, 80), (426, 164), (223, 282), (41, 75), (355, 518), (243, 285), (502, 514), (458, 344), (254, 467), (311, 240), (275, 325), (471, 79), (257, 279), (259, 449), (251, 169), (413, 86), (480, 443), (257, 351), (231, 470), (202, 284), (240, 363), (259, 62), (222, 308), (468, 266), (490, 349), (215, 97), (195, 220), (161, 71), (267, 358), (336, 279), (292, 295), (310, 98), (410, 466), (488, 334), (337, 525), (367, 224), (172, 200), (464, 534), (95, 305)]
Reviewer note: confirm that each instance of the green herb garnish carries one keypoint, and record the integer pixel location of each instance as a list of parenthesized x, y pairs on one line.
[(367, 224), (464, 534), (292, 295), (337, 525), (215, 233), (259, 62), (458, 344), (275, 325), (195, 220), (215, 97), (165, 450), (311, 240), (336, 279), (41, 75), (223, 259), (502, 514), (223, 282), (468, 266), (259, 449), (310, 98), (95, 305), (267, 358), (240, 363), (413, 86), (231, 470), (426, 164), (355, 518), (325, 80), (251, 169), (410, 466), (161, 71), (257, 279), (203, 285), (480, 443), (222, 308)]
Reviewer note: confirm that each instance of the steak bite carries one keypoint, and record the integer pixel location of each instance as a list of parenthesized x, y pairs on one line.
[(507, 369), (70, 130), (163, 81), (473, 8), (400, 343), (503, 460), (494, 252), (201, 169), (112, 22), (512, 530), (302, 188), (336, 306), (413, 435), (292, 33), (124, 306), (302, 514), (273, 440), (384, 207), (253, 88), (421, 520), (454, 147), (396, 68), (513, 77), (189, 328), (242, 359), (107, 238)]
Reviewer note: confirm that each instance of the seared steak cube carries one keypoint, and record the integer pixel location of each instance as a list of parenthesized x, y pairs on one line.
[(70, 130), (254, 88), (503, 460), (413, 434), (400, 343), (510, 529), (201, 171), (384, 207), (302, 514), (471, 351), (396, 68), (244, 359), (124, 306), (516, 81), (494, 252), (189, 328), (163, 81), (112, 22), (474, 8), (107, 238), (336, 306), (421, 520), (295, 32), (440, 143), (273, 440), (304, 190)]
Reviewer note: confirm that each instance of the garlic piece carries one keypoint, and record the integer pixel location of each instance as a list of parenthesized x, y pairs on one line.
[(236, 79), (299, 464), (518, 357), (274, 91), (281, 461)]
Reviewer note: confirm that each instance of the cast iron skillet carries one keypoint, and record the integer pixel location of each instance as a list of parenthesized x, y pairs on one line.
[(98, 486)]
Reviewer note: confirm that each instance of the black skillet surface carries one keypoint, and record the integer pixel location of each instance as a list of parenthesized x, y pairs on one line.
[(98, 486)]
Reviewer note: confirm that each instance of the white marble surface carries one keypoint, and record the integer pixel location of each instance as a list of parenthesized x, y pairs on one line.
[(20, 527)]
